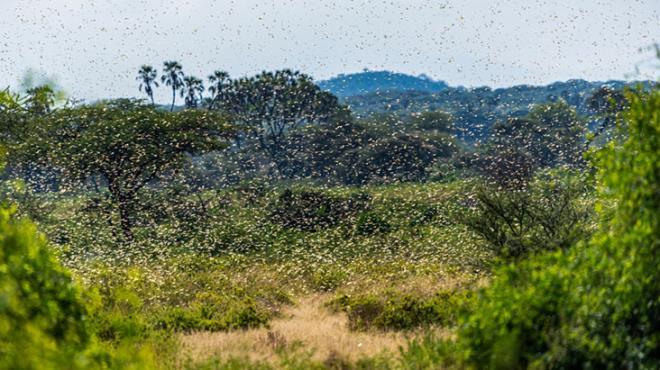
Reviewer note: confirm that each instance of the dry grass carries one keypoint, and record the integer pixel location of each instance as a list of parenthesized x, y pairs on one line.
[(308, 324)]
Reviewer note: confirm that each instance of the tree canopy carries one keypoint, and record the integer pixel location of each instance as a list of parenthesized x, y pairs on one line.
[(124, 144)]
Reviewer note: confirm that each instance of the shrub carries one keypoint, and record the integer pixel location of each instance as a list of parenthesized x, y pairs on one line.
[(369, 223), (327, 278), (214, 313), (42, 315), (402, 311), (550, 213), (313, 210)]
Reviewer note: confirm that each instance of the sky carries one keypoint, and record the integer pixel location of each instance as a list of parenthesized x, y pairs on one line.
[(95, 47)]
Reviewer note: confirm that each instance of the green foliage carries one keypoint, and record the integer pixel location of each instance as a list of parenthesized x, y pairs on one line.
[(433, 121), (552, 212), (328, 278), (550, 135), (214, 313), (431, 352), (42, 314), (272, 104), (369, 223), (591, 307), (395, 158), (313, 210), (122, 144), (393, 310)]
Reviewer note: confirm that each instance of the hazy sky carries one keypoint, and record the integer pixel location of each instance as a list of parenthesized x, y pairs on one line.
[(94, 47)]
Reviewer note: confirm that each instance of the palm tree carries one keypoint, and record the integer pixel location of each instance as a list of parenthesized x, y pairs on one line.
[(220, 83), (173, 77), (147, 77), (192, 89)]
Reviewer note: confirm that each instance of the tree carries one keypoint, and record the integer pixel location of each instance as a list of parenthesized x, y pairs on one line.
[(220, 83), (390, 159), (173, 77), (560, 134), (40, 99), (437, 121), (272, 104), (551, 134), (192, 91), (147, 77), (13, 116), (607, 103), (126, 144)]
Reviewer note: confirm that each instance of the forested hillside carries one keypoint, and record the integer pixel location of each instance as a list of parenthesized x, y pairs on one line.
[(368, 82), (474, 110)]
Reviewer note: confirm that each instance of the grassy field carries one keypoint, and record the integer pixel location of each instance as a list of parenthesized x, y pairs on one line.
[(237, 287)]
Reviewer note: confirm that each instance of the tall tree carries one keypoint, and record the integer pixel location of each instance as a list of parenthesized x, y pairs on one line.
[(219, 84), (192, 91), (272, 104), (147, 77), (173, 77)]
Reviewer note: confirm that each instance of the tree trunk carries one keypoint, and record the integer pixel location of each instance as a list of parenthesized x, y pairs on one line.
[(125, 221), (123, 202), (173, 99)]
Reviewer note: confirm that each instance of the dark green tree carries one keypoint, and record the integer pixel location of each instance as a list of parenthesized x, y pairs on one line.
[(273, 104), (606, 103), (40, 99), (437, 121), (551, 134)]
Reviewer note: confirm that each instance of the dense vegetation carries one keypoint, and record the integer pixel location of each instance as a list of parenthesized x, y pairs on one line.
[(531, 244)]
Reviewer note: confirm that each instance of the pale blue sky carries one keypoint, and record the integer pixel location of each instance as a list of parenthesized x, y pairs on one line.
[(95, 47)]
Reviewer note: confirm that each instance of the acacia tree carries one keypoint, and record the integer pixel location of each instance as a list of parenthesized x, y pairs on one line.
[(126, 144), (147, 77), (173, 77), (272, 104)]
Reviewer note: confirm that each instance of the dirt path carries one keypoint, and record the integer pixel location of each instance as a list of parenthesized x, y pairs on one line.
[(308, 324)]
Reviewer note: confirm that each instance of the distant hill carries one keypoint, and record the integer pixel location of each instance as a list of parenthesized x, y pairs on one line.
[(345, 85)]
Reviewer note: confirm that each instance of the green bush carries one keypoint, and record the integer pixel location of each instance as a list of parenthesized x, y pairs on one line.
[(596, 307), (369, 223), (328, 278), (214, 313), (42, 314), (402, 311), (313, 210)]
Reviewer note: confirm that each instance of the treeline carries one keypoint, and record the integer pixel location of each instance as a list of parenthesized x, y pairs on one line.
[(272, 127), (476, 110), (291, 129)]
